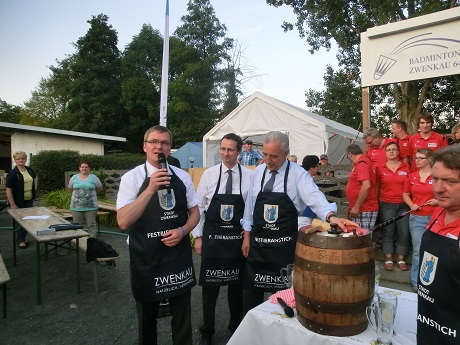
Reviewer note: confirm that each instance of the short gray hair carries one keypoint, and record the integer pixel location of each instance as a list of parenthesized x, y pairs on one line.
[(371, 132), (278, 137), (354, 149)]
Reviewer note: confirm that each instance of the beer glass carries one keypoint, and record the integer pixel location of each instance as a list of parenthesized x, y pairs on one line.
[(381, 318)]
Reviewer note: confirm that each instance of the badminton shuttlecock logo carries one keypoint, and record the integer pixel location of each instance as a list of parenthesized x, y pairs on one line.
[(383, 66)]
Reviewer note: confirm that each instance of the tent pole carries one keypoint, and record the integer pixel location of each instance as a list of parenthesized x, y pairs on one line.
[(366, 105)]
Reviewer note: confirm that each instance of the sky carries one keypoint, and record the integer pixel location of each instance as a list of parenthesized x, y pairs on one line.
[(34, 34)]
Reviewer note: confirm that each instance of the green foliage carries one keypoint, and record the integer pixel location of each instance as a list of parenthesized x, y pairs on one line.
[(50, 166), (339, 85), (59, 198), (95, 90), (342, 22), (99, 90), (9, 113), (141, 68)]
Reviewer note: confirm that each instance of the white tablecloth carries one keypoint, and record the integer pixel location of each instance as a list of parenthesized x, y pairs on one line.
[(262, 326)]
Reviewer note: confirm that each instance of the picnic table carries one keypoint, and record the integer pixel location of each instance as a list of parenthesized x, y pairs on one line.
[(38, 218)]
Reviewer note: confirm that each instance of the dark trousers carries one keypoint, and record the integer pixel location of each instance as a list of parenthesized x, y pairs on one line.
[(235, 305), (21, 233), (181, 321), (251, 299)]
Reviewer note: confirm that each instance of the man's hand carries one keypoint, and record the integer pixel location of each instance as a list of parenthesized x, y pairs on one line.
[(173, 237), (159, 179), (342, 222), (354, 212), (198, 245), (246, 245)]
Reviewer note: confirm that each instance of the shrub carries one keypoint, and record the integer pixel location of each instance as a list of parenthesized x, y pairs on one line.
[(50, 166), (59, 198)]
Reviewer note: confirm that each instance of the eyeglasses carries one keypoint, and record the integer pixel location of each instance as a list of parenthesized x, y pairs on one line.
[(156, 142), (391, 150), (419, 158)]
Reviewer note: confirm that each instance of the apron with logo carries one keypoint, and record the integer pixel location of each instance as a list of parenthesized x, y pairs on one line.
[(158, 271), (273, 239), (222, 261), (438, 319)]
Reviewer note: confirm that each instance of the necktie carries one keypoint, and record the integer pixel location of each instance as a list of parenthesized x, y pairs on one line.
[(228, 186), (269, 186)]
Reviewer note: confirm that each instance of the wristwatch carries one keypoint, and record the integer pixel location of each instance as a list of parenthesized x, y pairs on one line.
[(328, 218)]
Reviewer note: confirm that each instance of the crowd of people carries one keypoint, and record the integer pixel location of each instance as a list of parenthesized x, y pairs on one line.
[(245, 222)]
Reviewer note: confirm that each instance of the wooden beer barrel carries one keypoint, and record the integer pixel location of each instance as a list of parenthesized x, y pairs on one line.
[(333, 282)]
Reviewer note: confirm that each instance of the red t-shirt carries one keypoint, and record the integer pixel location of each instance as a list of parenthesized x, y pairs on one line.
[(362, 171), (420, 192), (435, 141), (404, 148), (392, 183), (451, 230), (378, 155)]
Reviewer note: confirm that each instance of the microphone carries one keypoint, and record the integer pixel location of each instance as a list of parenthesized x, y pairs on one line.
[(287, 309), (162, 161)]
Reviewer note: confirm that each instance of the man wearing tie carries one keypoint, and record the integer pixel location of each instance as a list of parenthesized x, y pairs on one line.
[(279, 192), (222, 193)]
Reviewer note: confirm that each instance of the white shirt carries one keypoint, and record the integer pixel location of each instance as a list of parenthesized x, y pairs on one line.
[(301, 189), (208, 185), (132, 181)]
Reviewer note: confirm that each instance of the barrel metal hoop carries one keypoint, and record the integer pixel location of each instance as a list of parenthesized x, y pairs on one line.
[(334, 269), (339, 331), (318, 241), (333, 308)]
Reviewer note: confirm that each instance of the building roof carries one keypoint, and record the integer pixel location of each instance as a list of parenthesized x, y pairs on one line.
[(13, 127)]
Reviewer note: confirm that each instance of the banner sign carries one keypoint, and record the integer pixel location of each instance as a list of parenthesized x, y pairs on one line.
[(412, 49)]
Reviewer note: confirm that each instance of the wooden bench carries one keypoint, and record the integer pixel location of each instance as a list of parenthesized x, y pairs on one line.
[(4, 278), (82, 246), (67, 214)]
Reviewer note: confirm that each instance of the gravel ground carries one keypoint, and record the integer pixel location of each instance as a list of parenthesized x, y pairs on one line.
[(64, 317)]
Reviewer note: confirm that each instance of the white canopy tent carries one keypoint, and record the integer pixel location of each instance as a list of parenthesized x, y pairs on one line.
[(309, 133)]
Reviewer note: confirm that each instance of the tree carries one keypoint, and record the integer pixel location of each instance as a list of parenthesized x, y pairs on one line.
[(141, 81), (319, 22), (339, 85), (204, 74), (9, 113), (95, 90)]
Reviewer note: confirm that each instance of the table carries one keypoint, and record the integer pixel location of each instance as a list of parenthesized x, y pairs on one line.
[(56, 239), (261, 326)]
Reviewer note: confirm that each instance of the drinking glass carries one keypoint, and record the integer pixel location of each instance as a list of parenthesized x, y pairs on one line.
[(381, 317), (377, 279), (288, 275)]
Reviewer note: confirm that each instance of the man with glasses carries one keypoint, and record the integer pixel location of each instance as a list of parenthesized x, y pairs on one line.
[(376, 146), (426, 137), (158, 207)]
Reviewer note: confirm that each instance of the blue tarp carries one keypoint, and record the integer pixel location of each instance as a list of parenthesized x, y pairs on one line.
[(191, 149)]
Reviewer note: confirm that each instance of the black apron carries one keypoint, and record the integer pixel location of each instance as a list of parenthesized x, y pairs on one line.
[(438, 318), (222, 261), (273, 239), (158, 271)]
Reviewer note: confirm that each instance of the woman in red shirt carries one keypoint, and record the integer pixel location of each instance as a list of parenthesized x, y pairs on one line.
[(391, 177), (418, 195)]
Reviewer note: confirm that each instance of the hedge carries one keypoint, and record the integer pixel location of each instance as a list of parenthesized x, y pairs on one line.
[(50, 166)]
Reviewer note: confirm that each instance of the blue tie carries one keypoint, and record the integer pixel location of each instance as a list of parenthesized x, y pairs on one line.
[(269, 186)]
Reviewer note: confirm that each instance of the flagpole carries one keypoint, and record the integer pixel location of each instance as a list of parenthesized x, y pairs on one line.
[(164, 71)]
